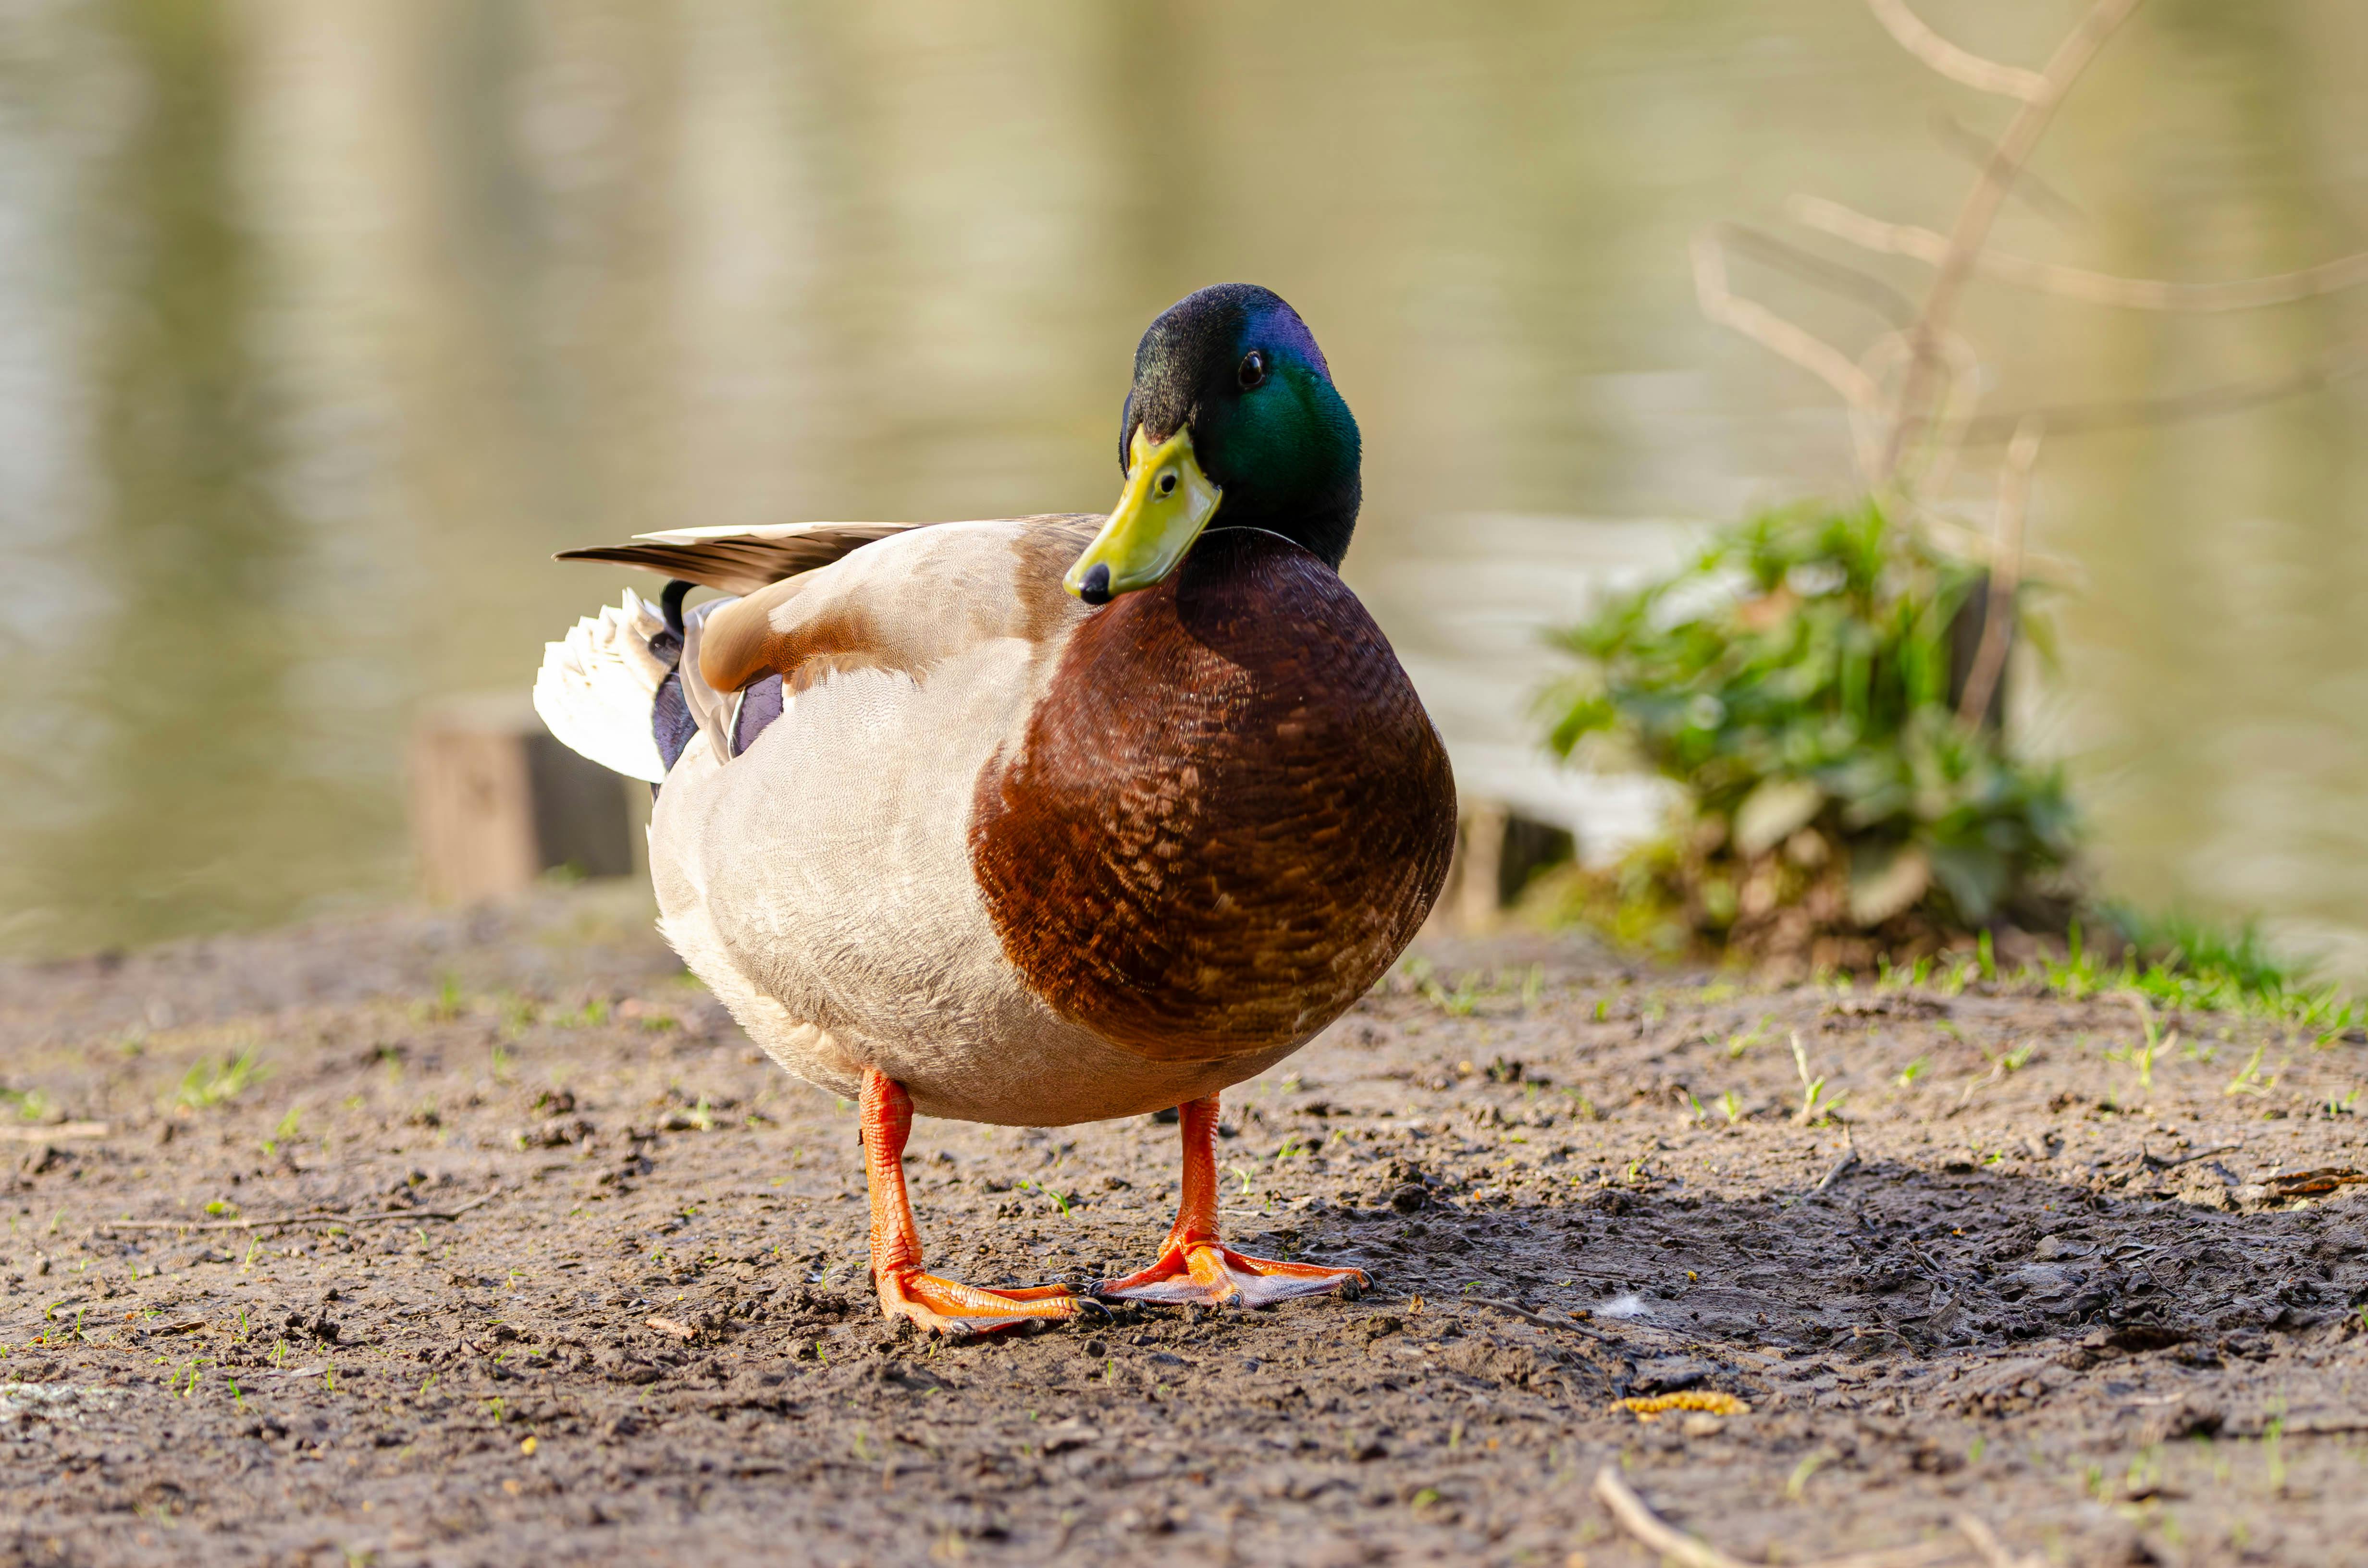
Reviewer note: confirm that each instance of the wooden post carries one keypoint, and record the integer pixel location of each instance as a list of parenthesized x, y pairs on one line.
[(496, 802), (1968, 629), (1497, 850), (1480, 852)]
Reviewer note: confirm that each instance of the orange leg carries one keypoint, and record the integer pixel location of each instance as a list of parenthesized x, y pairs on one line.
[(1195, 1267), (939, 1306)]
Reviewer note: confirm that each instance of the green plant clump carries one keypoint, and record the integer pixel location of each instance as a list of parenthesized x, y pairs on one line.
[(1796, 681), (209, 1083)]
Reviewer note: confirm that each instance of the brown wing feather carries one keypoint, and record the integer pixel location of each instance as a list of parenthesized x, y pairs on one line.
[(999, 577), (742, 560)]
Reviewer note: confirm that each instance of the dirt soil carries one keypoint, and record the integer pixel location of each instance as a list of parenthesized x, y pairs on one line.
[(620, 1313)]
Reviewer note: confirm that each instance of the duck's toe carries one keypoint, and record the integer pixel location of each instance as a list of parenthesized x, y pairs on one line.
[(1210, 1273), (950, 1307)]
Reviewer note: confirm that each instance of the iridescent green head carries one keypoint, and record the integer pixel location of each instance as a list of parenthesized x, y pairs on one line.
[(1233, 404)]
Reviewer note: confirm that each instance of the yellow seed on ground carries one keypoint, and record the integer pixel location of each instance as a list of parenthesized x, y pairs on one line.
[(1716, 1403), (527, 1446)]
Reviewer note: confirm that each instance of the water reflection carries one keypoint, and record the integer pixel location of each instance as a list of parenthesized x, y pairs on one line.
[(172, 762), (322, 326)]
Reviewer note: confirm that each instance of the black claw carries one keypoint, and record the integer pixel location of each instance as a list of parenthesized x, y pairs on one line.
[(1089, 1300)]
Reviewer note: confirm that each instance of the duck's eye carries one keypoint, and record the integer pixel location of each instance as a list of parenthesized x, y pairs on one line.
[(1253, 370)]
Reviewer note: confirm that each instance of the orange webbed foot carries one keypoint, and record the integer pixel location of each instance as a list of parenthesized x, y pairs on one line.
[(1210, 1273), (1194, 1267), (935, 1305), (948, 1307)]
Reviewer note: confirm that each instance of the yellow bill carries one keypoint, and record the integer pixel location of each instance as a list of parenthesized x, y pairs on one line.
[(1167, 502)]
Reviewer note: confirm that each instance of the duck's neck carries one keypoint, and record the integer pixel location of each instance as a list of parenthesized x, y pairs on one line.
[(1240, 593), (1322, 526)]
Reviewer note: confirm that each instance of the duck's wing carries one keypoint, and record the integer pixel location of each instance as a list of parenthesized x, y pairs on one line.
[(907, 603), (741, 561), (811, 598)]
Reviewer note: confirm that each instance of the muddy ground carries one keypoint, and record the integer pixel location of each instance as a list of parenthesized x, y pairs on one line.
[(2035, 1279)]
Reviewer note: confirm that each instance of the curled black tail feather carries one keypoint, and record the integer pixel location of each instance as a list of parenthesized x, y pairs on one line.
[(670, 605)]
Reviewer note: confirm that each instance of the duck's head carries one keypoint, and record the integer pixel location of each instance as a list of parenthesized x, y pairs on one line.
[(1232, 404)]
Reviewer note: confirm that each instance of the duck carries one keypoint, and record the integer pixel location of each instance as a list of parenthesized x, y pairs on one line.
[(1042, 820)]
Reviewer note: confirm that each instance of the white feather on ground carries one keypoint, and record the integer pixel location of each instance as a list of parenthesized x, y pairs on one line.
[(596, 689)]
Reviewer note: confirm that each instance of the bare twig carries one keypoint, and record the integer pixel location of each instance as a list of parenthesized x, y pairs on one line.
[(1862, 288), (315, 1217), (2077, 282), (1835, 1175), (1763, 326), (2006, 577), (1986, 1541), (1889, 355), (2028, 188), (2158, 1163), (1648, 1526), (53, 1133), (1980, 210), (1674, 1545), (1528, 1316), (2079, 419), (1997, 1073), (1914, 35), (1973, 545)]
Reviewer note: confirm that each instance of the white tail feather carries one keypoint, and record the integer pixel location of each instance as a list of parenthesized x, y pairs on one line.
[(595, 688)]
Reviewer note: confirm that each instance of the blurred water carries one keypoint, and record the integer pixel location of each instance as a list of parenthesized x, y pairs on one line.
[(322, 326)]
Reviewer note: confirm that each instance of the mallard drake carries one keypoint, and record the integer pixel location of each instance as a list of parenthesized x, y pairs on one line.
[(1042, 819)]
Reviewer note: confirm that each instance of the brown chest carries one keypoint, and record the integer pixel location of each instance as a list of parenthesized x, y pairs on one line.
[(1229, 816)]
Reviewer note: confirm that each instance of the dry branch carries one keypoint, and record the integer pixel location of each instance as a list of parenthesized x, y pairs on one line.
[(1889, 355), (1675, 1546), (1993, 1550), (1916, 37), (1649, 1527), (2006, 575), (2158, 1163), (54, 1133), (1539, 1319), (314, 1217), (2028, 188), (1980, 210), (2078, 283), (1840, 1168), (1894, 402), (1771, 331), (2085, 418), (1862, 288)]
